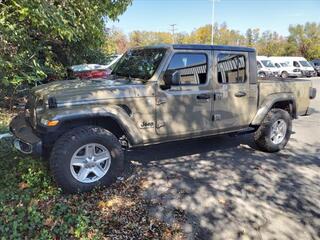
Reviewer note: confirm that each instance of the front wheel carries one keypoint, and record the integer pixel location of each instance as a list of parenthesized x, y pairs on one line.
[(86, 157), (274, 132)]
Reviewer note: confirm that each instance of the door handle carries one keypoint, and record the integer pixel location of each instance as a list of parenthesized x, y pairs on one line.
[(240, 94), (203, 96)]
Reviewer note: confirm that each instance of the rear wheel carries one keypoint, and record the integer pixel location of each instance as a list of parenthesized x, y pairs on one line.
[(275, 131), (262, 74), (284, 74), (86, 157)]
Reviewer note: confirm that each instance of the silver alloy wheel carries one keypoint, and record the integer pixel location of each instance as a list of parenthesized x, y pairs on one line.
[(90, 162), (278, 131)]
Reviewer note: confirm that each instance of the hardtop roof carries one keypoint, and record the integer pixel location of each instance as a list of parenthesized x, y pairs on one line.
[(203, 47), (212, 47)]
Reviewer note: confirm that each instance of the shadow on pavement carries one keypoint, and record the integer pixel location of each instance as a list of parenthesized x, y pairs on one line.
[(229, 190)]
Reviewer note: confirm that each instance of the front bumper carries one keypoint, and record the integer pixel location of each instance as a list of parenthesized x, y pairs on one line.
[(25, 140), (309, 73)]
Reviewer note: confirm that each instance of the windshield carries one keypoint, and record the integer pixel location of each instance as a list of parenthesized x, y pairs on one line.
[(284, 65), (139, 63), (304, 63), (267, 63)]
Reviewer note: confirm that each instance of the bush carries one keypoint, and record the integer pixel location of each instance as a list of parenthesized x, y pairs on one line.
[(39, 39)]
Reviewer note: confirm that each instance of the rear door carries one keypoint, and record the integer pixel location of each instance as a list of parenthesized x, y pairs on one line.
[(232, 107), (186, 108)]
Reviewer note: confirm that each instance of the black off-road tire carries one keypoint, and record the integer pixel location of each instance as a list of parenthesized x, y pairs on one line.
[(262, 135), (66, 146)]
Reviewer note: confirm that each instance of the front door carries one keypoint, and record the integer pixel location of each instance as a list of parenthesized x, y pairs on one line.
[(232, 107), (186, 108)]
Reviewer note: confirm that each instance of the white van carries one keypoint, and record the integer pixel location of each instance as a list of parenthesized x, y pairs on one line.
[(284, 69), (266, 68), (299, 63)]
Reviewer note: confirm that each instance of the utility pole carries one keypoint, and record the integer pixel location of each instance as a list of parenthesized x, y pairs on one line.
[(212, 27), (173, 29)]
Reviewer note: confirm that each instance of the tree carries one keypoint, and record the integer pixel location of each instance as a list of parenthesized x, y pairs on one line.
[(305, 40), (40, 38), (116, 42), (252, 36), (221, 35), (201, 35), (271, 44), (145, 38)]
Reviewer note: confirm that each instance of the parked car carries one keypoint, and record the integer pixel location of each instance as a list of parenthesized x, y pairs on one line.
[(266, 68), (93, 71), (89, 71), (114, 60), (155, 95), (316, 65), (284, 69), (300, 63)]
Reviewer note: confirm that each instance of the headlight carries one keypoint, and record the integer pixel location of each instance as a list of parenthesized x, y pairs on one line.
[(49, 123)]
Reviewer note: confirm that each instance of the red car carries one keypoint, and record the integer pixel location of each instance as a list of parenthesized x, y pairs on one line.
[(89, 71)]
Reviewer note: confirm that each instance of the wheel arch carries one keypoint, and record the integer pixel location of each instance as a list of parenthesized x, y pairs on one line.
[(117, 122), (286, 102)]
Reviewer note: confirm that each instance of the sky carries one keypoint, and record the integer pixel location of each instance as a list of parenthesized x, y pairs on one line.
[(273, 15)]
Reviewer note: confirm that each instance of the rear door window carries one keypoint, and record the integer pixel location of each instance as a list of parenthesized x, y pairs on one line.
[(231, 68)]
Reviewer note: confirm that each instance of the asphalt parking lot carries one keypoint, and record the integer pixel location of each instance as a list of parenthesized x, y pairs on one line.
[(229, 190)]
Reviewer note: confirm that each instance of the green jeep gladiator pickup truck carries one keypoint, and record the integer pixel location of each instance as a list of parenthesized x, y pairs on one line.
[(155, 94)]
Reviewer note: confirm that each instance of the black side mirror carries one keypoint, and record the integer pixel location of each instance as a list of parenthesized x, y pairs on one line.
[(171, 78)]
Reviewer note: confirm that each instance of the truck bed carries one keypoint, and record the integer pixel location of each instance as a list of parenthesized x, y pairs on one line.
[(299, 88)]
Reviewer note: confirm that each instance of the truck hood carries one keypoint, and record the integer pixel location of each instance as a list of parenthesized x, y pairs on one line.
[(71, 91)]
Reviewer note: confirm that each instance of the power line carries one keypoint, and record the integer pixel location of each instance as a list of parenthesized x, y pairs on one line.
[(173, 30)]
